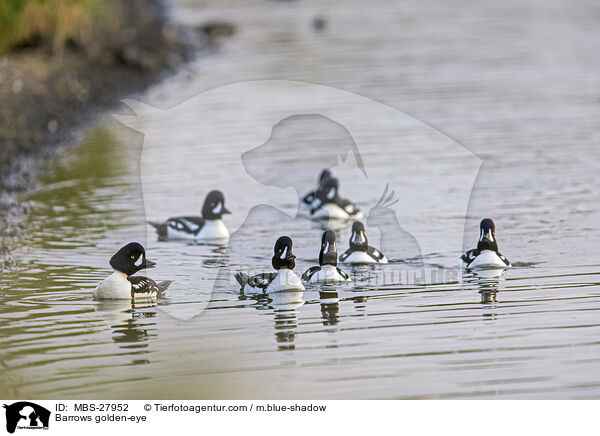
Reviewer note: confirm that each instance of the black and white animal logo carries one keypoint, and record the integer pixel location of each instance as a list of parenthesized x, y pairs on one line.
[(26, 415)]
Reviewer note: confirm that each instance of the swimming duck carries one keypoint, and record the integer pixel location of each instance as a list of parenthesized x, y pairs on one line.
[(120, 285), (486, 255), (309, 199), (284, 279), (327, 271), (208, 227), (328, 203), (360, 251)]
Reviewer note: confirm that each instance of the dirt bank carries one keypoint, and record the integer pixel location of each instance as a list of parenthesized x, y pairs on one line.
[(47, 94)]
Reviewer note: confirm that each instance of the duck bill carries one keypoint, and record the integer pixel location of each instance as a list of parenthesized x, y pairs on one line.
[(148, 264), (289, 256), (225, 211)]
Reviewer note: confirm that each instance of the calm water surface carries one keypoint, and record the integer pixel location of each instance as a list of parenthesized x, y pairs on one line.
[(516, 83)]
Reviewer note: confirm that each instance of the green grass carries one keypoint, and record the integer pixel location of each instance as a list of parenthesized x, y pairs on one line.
[(25, 22)]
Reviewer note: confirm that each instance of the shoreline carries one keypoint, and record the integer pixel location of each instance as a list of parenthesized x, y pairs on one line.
[(47, 98)]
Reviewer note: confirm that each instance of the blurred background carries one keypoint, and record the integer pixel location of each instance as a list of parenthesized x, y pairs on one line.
[(516, 83)]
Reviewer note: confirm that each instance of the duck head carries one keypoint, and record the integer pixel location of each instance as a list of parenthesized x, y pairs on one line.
[(130, 259), (328, 191), (282, 254), (324, 175), (358, 239), (487, 235), (328, 253), (214, 206)]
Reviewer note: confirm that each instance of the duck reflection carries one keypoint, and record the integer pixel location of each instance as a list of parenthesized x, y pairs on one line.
[(286, 319), (488, 293), (487, 282), (286, 323), (330, 308), (364, 276), (129, 325), (216, 256), (284, 305)]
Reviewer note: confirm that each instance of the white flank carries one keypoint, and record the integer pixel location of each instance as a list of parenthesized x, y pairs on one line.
[(363, 257), (213, 230), (328, 274), (487, 259), (286, 280), (331, 211), (179, 234), (114, 287)]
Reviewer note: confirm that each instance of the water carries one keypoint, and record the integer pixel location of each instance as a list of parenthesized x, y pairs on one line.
[(515, 83)]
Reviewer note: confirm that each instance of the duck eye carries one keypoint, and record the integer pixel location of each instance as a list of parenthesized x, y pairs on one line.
[(280, 250), (212, 204), (133, 257)]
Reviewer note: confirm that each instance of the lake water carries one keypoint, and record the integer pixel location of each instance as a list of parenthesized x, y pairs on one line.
[(496, 114)]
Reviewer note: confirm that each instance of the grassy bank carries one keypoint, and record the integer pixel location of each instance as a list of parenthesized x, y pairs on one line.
[(64, 60), (26, 23), (61, 63)]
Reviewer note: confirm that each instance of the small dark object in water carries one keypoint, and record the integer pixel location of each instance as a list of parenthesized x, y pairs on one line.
[(319, 23), (218, 29)]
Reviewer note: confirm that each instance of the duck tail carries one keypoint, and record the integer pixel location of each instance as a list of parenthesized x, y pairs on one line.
[(162, 286), (242, 279), (161, 228)]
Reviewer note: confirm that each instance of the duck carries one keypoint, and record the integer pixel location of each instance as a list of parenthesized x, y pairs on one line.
[(208, 227), (308, 200), (486, 255), (122, 285), (284, 279), (327, 271), (329, 205), (360, 251)]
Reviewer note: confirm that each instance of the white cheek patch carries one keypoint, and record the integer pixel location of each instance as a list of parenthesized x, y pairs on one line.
[(488, 235), (358, 237), (138, 262), (284, 253), (218, 208), (331, 194), (326, 249)]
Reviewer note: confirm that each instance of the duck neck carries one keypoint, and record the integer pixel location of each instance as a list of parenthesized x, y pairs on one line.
[(359, 246), (487, 245), (116, 272)]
